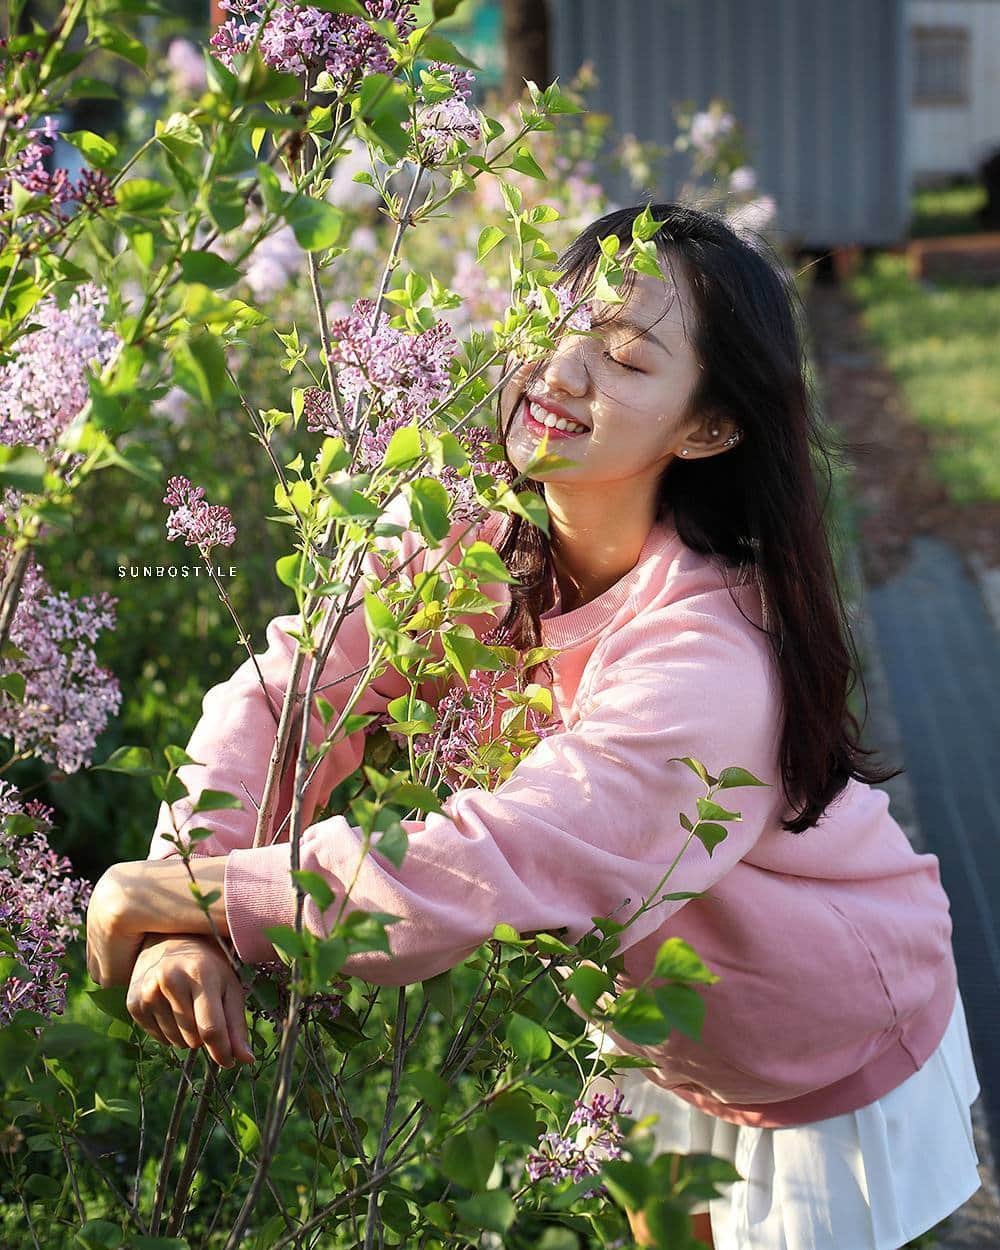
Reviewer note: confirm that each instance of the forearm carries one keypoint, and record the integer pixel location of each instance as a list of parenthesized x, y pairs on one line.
[(160, 900)]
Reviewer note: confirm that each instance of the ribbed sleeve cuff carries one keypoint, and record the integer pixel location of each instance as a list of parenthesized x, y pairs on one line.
[(258, 893)]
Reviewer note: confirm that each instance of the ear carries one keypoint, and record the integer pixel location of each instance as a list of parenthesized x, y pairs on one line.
[(712, 434)]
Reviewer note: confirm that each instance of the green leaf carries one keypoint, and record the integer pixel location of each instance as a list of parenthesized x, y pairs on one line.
[(437, 48), (508, 935), (378, 618), (158, 1243), (412, 794), (682, 1007), (627, 1182), (404, 448), (143, 196), (680, 962), (430, 1087), (441, 994), (468, 1157), (525, 163), (112, 1002), (209, 269), (14, 685), (730, 777), (316, 886), (316, 223), (216, 801), (696, 766), (526, 504), (393, 844), (587, 984), (638, 1016), (177, 756), (710, 835), (288, 568), (428, 501), (481, 560), (97, 152), (492, 1210), (23, 471), (513, 1116), (489, 237), (465, 652), (528, 1040), (247, 1132), (100, 1235), (135, 760), (709, 810)]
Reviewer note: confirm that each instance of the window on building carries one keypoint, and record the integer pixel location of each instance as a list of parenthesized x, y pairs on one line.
[(941, 65)]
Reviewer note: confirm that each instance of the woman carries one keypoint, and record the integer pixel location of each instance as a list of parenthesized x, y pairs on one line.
[(689, 589)]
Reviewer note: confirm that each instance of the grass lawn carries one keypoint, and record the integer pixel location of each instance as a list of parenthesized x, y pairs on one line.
[(946, 210), (940, 342)]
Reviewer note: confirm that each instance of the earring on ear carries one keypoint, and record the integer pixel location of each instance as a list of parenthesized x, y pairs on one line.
[(684, 451)]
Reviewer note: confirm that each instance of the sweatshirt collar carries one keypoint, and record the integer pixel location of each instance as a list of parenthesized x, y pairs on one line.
[(566, 629)]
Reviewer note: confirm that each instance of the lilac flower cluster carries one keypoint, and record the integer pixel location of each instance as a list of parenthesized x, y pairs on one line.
[(466, 721), (316, 1007), (68, 697), (581, 319), (299, 39), (92, 189), (406, 373), (41, 909), (200, 524), (562, 1157), (708, 129), (441, 122), (45, 386)]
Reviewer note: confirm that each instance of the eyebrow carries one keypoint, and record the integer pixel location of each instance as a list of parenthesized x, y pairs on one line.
[(625, 323)]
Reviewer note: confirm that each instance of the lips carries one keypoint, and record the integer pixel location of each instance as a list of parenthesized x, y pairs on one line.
[(538, 428)]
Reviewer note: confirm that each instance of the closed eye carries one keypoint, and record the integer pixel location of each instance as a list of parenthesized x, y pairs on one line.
[(621, 363)]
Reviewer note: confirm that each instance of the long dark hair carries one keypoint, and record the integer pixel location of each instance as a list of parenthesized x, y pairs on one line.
[(757, 507)]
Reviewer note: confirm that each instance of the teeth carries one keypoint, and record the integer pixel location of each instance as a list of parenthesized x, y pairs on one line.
[(543, 417)]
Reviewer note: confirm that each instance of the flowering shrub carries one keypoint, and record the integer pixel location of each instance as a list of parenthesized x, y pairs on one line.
[(406, 1103), (41, 908)]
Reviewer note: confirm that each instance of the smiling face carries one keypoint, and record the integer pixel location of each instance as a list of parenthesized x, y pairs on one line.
[(630, 386)]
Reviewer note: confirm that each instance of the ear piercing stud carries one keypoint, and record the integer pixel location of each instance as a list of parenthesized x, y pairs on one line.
[(731, 441)]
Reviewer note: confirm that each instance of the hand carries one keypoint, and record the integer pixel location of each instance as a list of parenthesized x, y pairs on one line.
[(183, 992), (113, 934)]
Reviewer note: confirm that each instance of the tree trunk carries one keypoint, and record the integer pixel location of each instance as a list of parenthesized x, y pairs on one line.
[(526, 46)]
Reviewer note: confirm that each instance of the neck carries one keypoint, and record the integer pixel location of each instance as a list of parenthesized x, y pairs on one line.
[(594, 541)]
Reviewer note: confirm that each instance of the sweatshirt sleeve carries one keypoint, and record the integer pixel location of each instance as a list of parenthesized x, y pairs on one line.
[(585, 825), (235, 734)]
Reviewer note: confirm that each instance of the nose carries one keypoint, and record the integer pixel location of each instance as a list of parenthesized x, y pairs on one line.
[(566, 368)]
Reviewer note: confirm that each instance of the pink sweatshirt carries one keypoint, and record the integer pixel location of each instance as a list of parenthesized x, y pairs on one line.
[(833, 946)]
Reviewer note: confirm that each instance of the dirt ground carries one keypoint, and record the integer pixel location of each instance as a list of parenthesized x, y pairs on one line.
[(893, 483)]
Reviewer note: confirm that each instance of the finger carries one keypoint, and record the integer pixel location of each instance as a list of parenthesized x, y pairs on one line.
[(210, 1020), (236, 1021), (145, 1019), (176, 998), (169, 1026)]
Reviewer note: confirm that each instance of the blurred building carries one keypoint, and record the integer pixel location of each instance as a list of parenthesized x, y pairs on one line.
[(845, 103)]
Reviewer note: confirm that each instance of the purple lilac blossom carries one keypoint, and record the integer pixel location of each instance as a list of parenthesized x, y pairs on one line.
[(92, 190), (466, 722), (708, 129), (200, 524), (579, 320), (41, 909), (743, 181), (299, 39), (68, 697), (441, 122), (564, 1158), (45, 386)]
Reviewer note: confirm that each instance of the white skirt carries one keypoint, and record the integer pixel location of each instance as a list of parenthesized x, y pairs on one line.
[(872, 1179)]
